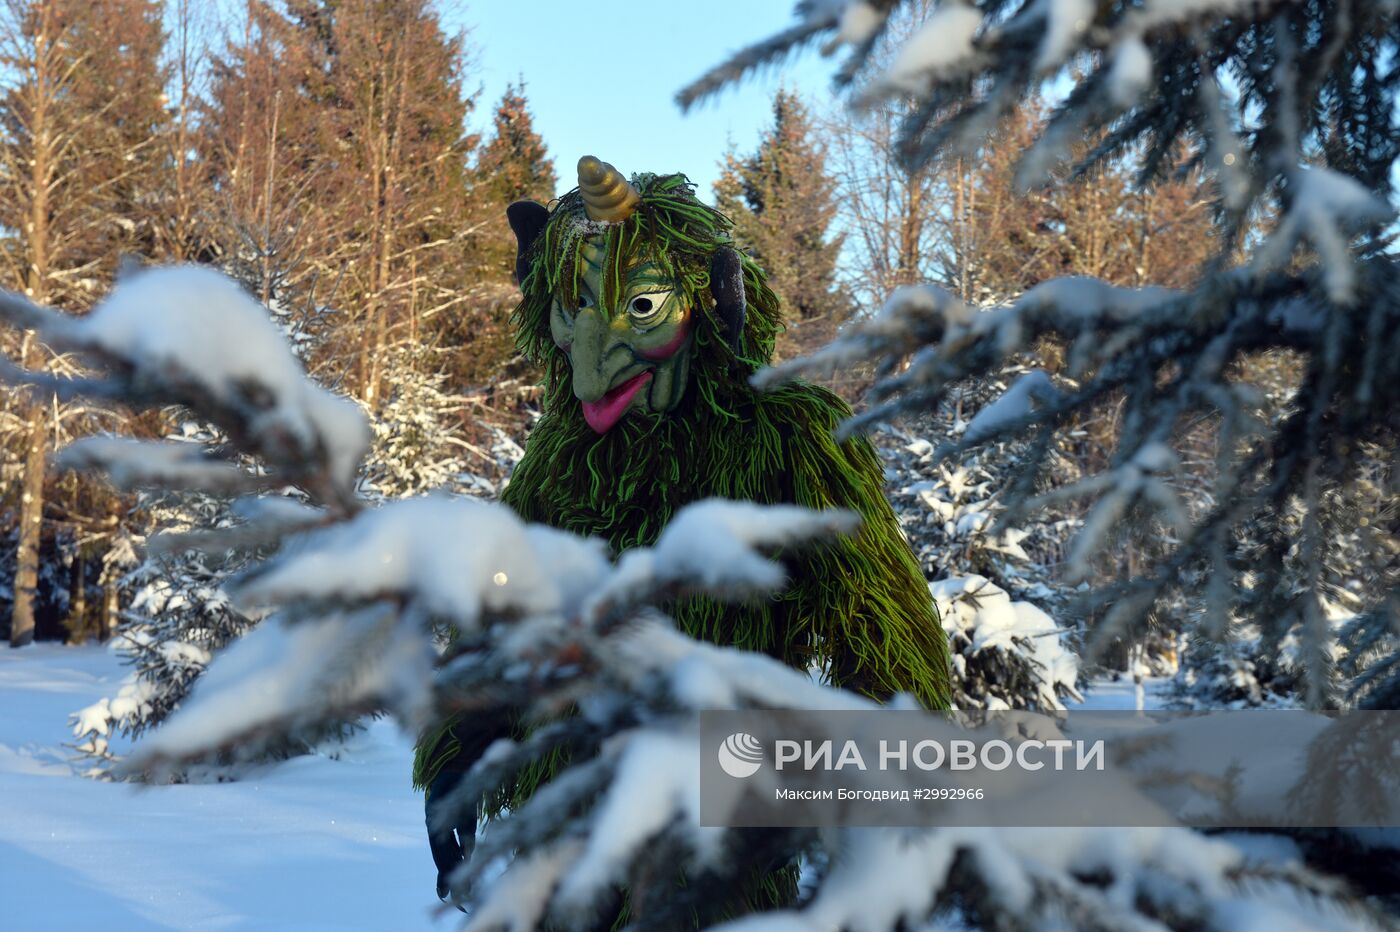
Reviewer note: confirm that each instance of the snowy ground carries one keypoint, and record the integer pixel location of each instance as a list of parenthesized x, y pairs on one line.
[(1106, 694), (313, 843)]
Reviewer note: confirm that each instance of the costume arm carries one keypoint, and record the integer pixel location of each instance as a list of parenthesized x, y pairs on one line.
[(862, 600)]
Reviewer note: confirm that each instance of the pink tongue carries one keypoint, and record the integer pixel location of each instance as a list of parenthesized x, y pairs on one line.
[(602, 414)]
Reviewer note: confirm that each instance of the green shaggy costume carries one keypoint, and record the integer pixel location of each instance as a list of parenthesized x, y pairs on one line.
[(857, 608)]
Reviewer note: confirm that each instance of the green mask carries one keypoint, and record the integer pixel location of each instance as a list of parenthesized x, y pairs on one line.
[(632, 353), (635, 299)]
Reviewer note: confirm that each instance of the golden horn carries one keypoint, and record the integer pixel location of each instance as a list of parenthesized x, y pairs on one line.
[(607, 196)]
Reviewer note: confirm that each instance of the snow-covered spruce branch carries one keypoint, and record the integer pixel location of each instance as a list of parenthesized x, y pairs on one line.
[(537, 616), (1287, 111), (1149, 71), (189, 336), (138, 464), (1170, 357), (358, 604), (192, 338), (624, 810)]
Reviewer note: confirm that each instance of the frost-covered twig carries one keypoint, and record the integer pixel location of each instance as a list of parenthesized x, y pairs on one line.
[(132, 464), (190, 336)]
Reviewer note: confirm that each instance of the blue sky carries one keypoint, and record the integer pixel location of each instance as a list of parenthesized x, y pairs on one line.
[(600, 76)]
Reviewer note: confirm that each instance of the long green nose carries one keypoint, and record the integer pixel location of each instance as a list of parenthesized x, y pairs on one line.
[(599, 352)]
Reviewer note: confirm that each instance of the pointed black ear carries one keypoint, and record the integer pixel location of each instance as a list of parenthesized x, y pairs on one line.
[(527, 220), (727, 287)]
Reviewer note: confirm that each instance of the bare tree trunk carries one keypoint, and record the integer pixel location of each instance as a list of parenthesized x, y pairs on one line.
[(960, 212), (370, 338), (111, 607), (30, 529), (31, 510), (31, 516), (182, 232), (77, 622), (413, 300), (265, 287), (379, 260)]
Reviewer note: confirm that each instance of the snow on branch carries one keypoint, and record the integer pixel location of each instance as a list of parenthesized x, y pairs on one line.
[(453, 559), (132, 464), (1016, 403), (357, 603), (1174, 358), (941, 48), (281, 680), (191, 336), (686, 553), (948, 341), (981, 618), (1325, 207), (888, 880), (912, 316), (1140, 479)]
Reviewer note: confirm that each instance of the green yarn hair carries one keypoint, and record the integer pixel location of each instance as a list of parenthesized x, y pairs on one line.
[(856, 608)]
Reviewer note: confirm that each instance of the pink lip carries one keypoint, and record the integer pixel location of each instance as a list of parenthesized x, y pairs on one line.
[(602, 414)]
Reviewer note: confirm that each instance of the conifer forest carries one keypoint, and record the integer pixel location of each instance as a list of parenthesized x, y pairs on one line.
[(397, 486)]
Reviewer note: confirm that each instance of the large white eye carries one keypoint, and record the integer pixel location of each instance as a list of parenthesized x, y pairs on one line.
[(646, 308)]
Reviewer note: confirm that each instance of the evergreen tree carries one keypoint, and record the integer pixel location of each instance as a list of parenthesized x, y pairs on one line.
[(355, 196), (124, 80), (178, 616), (390, 114), (513, 164), (783, 201), (338, 130)]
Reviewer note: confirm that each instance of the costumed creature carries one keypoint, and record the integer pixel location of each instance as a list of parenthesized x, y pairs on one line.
[(649, 323)]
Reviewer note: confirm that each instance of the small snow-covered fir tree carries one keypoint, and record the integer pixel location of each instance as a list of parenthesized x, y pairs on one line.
[(1006, 654), (996, 586), (177, 616), (415, 447), (952, 511)]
